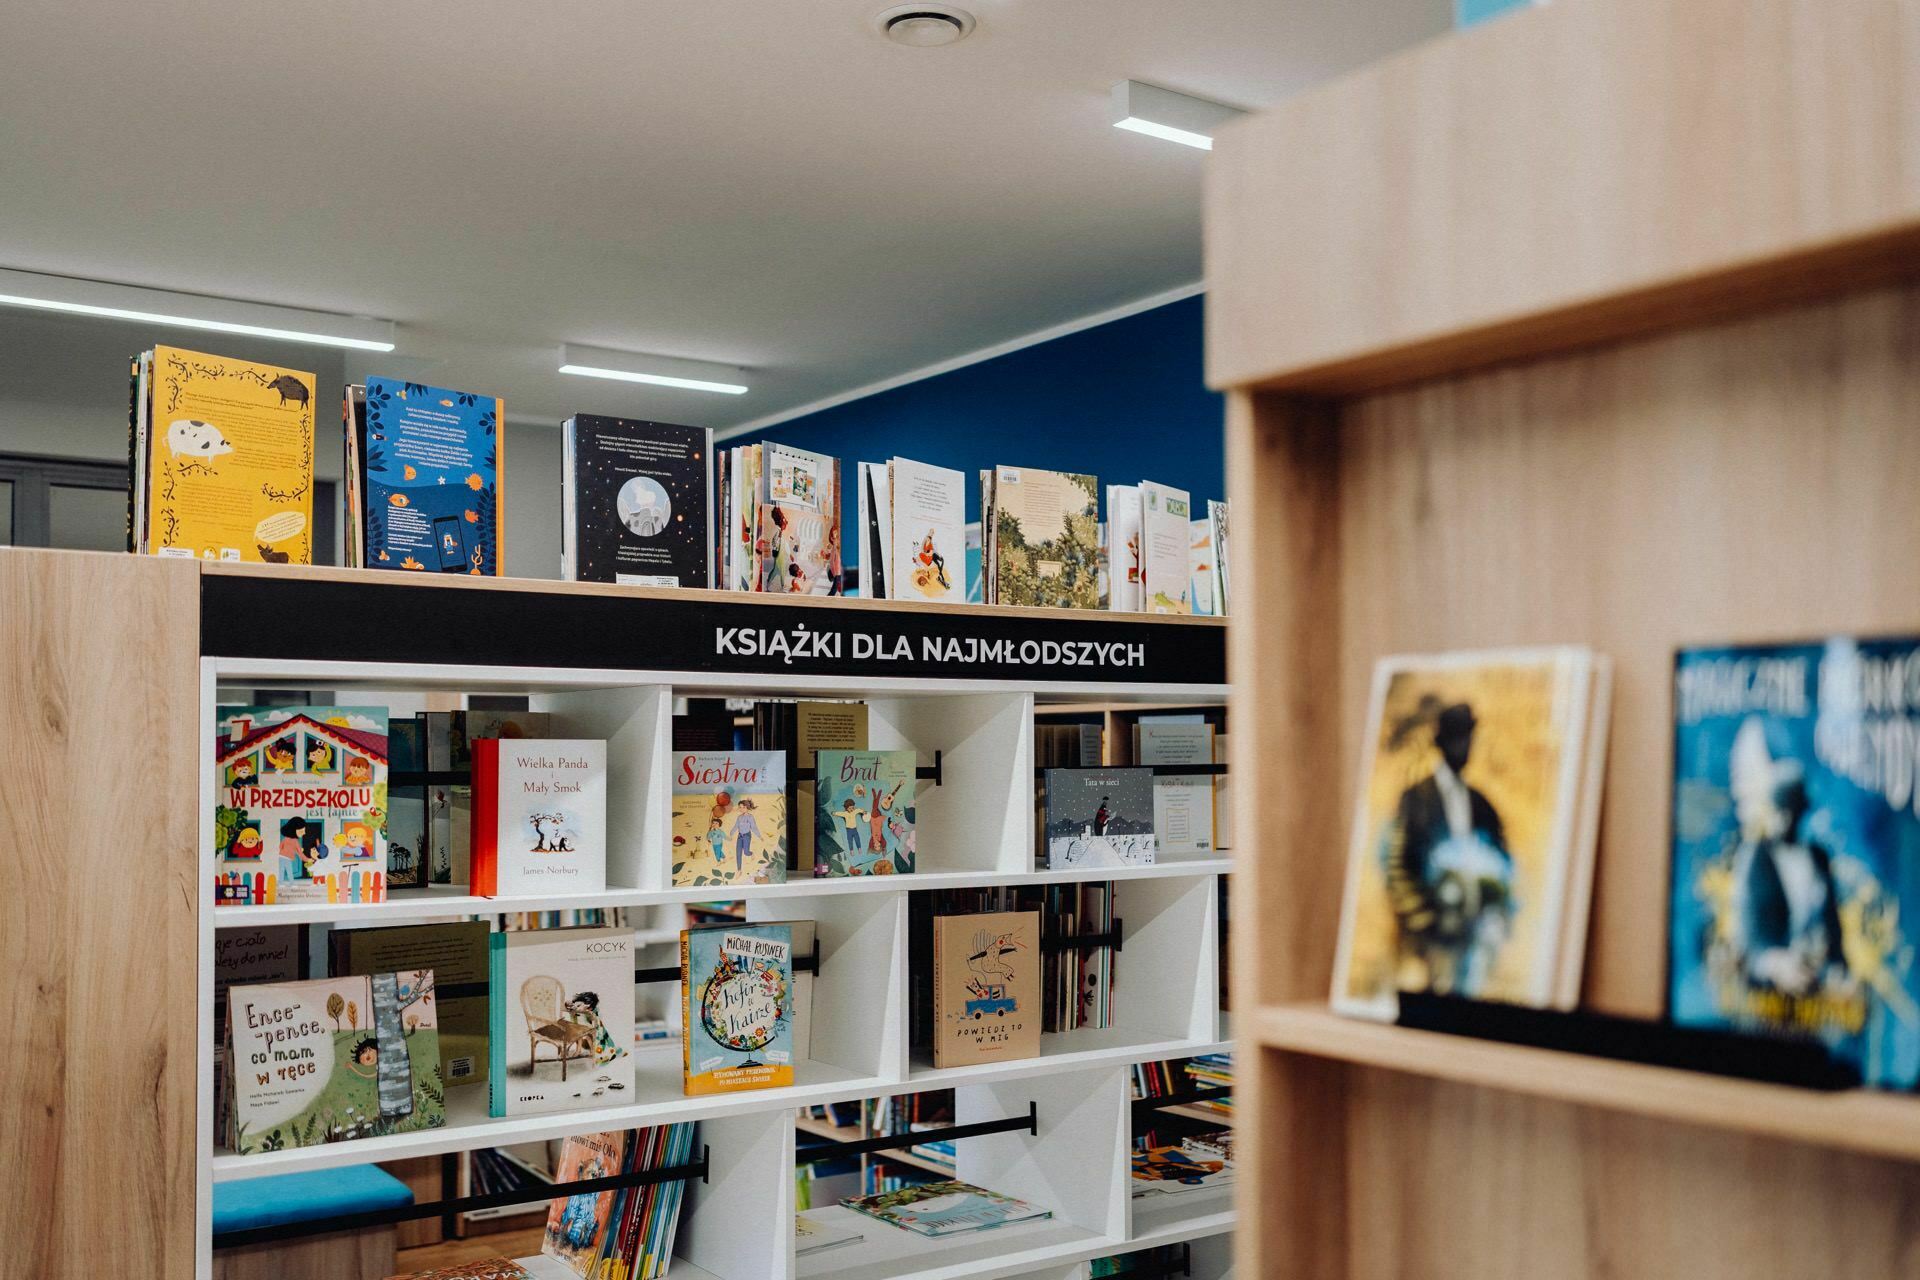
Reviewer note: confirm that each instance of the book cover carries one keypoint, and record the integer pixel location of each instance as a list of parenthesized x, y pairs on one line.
[(637, 502), (456, 952), (929, 531), (1201, 579), (1462, 839), (811, 1234), (562, 1020), (1217, 534), (820, 726), (1796, 846), (1045, 538), (407, 831), (539, 816), (333, 1059), (301, 809), (797, 523), (1176, 1169), (863, 820), (1165, 517), (986, 987), (736, 981), (875, 494), (1099, 818), (228, 462), (744, 498), (729, 817), (1183, 806), (945, 1208), (578, 1225), (1124, 568), (433, 462)]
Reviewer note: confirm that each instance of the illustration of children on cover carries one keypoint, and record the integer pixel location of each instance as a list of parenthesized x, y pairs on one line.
[(745, 830)]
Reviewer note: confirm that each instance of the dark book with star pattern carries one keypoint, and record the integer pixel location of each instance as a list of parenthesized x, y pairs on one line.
[(638, 502)]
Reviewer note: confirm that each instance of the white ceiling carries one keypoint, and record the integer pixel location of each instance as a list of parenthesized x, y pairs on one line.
[(766, 183)]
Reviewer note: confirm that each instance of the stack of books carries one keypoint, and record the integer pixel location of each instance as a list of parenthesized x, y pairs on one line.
[(628, 1232), (779, 527)]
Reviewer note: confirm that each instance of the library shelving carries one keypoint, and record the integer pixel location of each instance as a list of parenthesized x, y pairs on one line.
[(117, 663), (1626, 358)]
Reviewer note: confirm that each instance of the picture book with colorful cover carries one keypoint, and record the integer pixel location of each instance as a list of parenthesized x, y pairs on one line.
[(736, 982), (225, 469), (929, 548), (1464, 839), (1183, 810), (863, 815), (637, 502), (1217, 530), (1201, 577), (1796, 846), (986, 987), (433, 462), (539, 816), (820, 726), (1124, 574), (561, 1033), (797, 547), (1174, 1170), (1045, 538), (1099, 818), (729, 817), (302, 803), (456, 952), (945, 1208), (332, 1059), (1165, 518), (578, 1226)]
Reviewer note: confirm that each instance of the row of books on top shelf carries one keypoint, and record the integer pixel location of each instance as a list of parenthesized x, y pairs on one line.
[(221, 467), (1795, 830), (313, 809)]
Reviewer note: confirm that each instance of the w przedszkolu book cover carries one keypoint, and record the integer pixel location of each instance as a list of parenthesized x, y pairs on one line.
[(562, 1024), (1796, 846), (736, 982)]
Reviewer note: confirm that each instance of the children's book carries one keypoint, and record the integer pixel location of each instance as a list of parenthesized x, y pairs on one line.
[(539, 816), (875, 495), (1043, 538), (637, 503), (456, 951), (863, 819), (928, 539), (986, 987), (1796, 846), (302, 805), (813, 1233), (946, 1208), (820, 726), (736, 981), (1201, 578), (1217, 536), (222, 459), (1123, 549), (332, 1059), (1183, 817), (1165, 519), (1468, 844), (578, 1226), (1099, 818), (1178, 1169), (797, 523), (562, 1020), (407, 828), (729, 817), (431, 467)]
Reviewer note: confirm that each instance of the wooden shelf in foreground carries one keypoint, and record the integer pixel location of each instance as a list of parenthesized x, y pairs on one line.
[(1863, 1120)]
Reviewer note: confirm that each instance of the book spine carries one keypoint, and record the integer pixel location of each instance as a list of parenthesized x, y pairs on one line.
[(686, 1009), (499, 488), (706, 471), (497, 1024), (569, 504), (484, 825)]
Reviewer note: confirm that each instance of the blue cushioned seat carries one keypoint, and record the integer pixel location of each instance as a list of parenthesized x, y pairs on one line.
[(301, 1197)]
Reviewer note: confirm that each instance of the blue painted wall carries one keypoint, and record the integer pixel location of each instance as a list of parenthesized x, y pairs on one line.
[(1468, 12), (1125, 401)]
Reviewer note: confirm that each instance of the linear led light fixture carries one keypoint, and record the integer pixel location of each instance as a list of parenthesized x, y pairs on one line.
[(658, 371), (1162, 113), (36, 292)]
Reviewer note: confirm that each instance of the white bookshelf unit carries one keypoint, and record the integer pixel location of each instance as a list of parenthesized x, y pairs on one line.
[(976, 827)]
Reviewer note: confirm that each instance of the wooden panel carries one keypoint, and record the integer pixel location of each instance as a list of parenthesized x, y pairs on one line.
[(1453, 1182), (1581, 172), (352, 1255), (99, 874), (1739, 482)]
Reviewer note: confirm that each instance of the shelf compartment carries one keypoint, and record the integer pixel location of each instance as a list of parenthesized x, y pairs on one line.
[(1861, 1120)]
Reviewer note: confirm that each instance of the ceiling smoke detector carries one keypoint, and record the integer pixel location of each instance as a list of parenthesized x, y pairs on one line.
[(925, 26)]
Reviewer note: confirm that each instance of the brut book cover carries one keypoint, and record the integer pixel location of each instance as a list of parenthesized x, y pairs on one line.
[(638, 502), (863, 820), (1100, 818), (1458, 870), (433, 467), (737, 1023), (1796, 846)]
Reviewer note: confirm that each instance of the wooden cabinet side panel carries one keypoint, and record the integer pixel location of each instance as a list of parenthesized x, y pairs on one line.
[(99, 877)]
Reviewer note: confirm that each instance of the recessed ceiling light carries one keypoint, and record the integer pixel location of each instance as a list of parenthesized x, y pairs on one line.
[(1162, 113), (658, 371), (35, 292), (925, 26)]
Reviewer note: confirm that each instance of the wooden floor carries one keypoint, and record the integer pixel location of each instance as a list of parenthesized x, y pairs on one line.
[(450, 1253)]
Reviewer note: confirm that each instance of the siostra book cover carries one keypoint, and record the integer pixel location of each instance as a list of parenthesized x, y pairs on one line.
[(302, 805), (986, 987), (1045, 539), (561, 1031), (864, 811), (637, 504), (433, 463), (736, 982), (1099, 818), (1796, 846), (729, 817)]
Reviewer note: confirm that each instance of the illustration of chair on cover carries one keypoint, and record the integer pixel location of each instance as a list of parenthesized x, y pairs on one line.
[(541, 1001)]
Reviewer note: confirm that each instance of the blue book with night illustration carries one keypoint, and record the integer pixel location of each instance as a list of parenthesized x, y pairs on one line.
[(425, 472), (737, 1027), (1796, 846)]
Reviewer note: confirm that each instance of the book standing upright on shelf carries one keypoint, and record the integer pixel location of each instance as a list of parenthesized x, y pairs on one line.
[(736, 983), (222, 459), (1099, 818), (1183, 806), (797, 523), (637, 504), (875, 495), (819, 726), (1124, 549), (580, 1226), (986, 987), (426, 469), (539, 816), (1165, 532), (729, 817), (456, 952), (928, 540), (864, 817), (561, 1033), (1042, 537)]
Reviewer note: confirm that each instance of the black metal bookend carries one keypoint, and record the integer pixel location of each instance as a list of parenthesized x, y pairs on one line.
[(1154, 1268), (1143, 1108), (1085, 941), (809, 963), (1159, 770), (448, 1208), (1028, 1123)]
